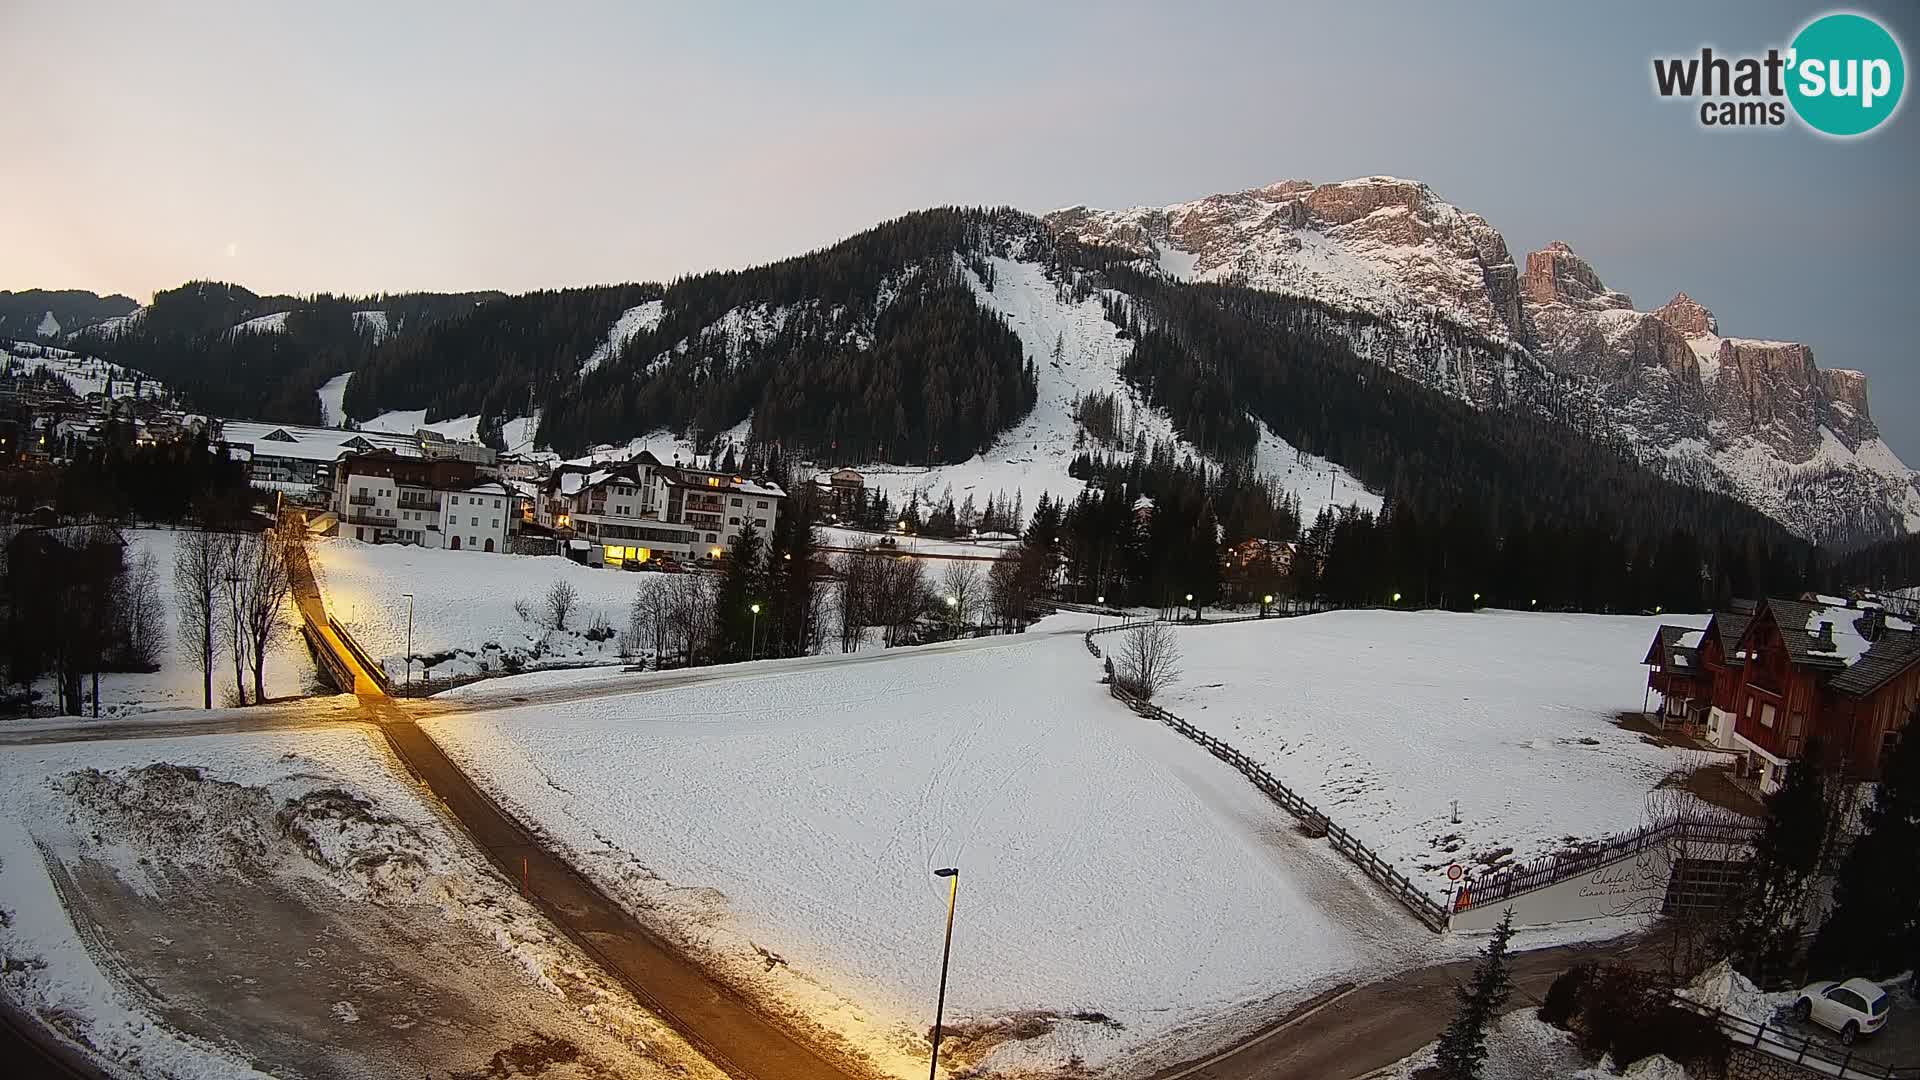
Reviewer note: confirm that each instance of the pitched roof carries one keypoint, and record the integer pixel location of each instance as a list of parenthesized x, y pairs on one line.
[(1730, 626), (1675, 647), (1865, 651)]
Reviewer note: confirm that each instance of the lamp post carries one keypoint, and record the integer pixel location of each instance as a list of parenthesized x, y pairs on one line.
[(953, 615), (753, 637), (1196, 611), (1265, 603), (952, 874), (409, 597), (1100, 617)]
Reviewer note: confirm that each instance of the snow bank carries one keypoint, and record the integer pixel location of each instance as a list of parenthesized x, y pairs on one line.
[(1520, 1046), (785, 828), (322, 807), (1721, 987), (1384, 719)]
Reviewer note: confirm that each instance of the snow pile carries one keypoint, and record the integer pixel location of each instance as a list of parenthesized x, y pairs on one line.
[(321, 808), (1118, 885), (465, 620), (1385, 719), (1520, 1046), (640, 319), (1721, 987), (333, 396)]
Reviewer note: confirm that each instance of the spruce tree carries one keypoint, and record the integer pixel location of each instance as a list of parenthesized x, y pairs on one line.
[(741, 586), (1875, 922), (1463, 1049), (1761, 935)]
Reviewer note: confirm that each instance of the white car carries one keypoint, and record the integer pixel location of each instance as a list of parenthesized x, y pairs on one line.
[(1852, 1008)]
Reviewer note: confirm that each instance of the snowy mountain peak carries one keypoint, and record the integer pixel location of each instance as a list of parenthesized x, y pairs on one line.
[(1757, 419), (1688, 316)]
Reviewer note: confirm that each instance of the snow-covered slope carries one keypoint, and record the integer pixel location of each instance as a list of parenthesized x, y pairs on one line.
[(408, 421), (1076, 354), (333, 395), (635, 320), (87, 375), (373, 322), (275, 323), (1755, 419)]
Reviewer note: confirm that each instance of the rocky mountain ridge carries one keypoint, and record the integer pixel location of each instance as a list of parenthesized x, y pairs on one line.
[(1757, 419)]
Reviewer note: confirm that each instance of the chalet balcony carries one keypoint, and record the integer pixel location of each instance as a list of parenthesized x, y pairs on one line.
[(357, 517), (360, 500), (420, 502)]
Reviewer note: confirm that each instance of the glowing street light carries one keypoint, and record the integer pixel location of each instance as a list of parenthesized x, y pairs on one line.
[(1265, 603), (1476, 598), (753, 638), (952, 874), (1396, 598)]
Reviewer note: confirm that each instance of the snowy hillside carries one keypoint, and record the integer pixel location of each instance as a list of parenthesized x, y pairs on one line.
[(374, 323), (1076, 353), (635, 320), (87, 375), (333, 393), (408, 421)]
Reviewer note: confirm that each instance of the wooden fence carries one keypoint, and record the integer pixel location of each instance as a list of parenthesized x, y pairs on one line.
[(1429, 911)]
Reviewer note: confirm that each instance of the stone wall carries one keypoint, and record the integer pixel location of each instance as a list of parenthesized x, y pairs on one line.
[(1746, 1063)]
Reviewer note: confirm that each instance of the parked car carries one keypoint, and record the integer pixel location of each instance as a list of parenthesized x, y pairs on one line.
[(1853, 1008)]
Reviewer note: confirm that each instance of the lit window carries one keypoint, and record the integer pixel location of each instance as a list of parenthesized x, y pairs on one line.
[(713, 481)]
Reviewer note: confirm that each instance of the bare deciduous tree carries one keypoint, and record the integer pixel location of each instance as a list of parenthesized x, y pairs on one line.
[(199, 572), (961, 581), (561, 600), (142, 613), (265, 586), (1148, 659)]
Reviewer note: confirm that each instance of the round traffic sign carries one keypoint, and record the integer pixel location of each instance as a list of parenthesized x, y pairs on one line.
[(1455, 872)]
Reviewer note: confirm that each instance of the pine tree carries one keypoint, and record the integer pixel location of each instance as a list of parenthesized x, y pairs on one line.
[(741, 586), (1463, 1049), (1875, 923), (1762, 934)]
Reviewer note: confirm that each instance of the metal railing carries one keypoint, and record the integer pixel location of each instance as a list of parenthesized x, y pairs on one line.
[(1807, 1053), (1425, 908), (1551, 869), (360, 500)]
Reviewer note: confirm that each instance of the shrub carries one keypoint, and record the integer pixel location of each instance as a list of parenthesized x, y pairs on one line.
[(1563, 997)]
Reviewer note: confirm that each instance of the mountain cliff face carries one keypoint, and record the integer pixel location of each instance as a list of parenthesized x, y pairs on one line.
[(1758, 420)]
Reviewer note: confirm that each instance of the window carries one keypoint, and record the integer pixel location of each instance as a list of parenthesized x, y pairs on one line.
[(733, 521), (454, 499), (760, 522), (710, 538), (363, 491), (475, 522), (1766, 716), (1847, 999), (736, 502), (496, 504), (495, 523), (761, 505)]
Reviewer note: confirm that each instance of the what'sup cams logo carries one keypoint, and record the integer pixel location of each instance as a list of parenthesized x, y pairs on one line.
[(1842, 76)]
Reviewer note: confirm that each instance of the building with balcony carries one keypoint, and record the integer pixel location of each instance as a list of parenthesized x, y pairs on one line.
[(1768, 679), (640, 509), (298, 460), (387, 498)]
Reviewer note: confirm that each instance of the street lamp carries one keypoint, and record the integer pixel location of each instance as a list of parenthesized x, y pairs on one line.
[(1196, 613), (1396, 598), (1265, 603), (1100, 617), (409, 597), (952, 874), (753, 639)]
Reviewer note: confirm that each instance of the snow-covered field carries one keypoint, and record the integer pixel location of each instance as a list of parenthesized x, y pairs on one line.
[(178, 684), (1382, 719), (785, 826), (463, 607), (834, 536), (378, 938), (408, 421)]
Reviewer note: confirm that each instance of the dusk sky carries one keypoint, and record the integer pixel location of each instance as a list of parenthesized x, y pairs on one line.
[(383, 147)]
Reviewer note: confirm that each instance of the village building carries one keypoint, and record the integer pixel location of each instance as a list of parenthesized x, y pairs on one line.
[(297, 460), (638, 510), (384, 497), (1766, 680)]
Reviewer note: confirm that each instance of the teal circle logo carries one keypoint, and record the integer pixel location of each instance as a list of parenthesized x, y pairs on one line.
[(1846, 76)]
